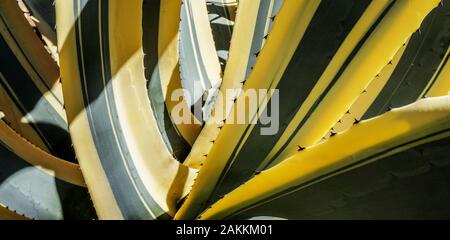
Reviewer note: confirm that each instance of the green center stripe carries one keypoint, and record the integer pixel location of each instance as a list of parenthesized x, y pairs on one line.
[(92, 36)]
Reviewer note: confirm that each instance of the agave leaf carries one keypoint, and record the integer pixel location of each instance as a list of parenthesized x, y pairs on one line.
[(408, 76), (392, 31), (30, 87), (41, 15), (199, 63), (162, 71), (441, 84), (249, 150), (127, 166), (38, 185), (6, 214), (363, 173), (273, 58), (251, 27), (222, 14), (61, 169), (366, 98), (362, 29), (44, 12), (421, 60)]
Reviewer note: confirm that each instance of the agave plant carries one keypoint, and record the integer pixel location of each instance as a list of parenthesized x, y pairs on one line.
[(345, 105)]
